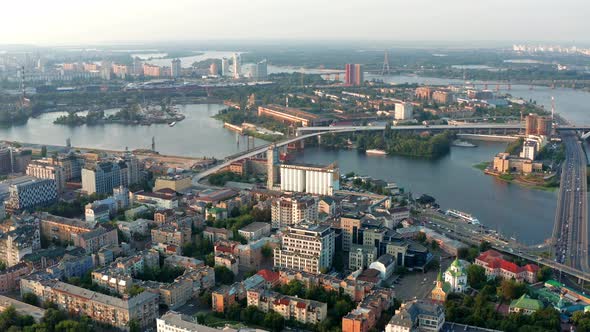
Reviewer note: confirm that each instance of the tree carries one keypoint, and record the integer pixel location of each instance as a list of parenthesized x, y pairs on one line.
[(223, 275), (484, 246), (510, 289), (31, 298), (274, 321), (476, 276), (266, 251), (71, 326), (134, 325), (545, 273)]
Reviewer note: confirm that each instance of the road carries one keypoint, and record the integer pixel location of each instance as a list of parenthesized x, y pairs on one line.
[(570, 231)]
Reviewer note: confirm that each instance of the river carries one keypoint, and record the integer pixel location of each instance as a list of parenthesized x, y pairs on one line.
[(197, 135), (516, 211)]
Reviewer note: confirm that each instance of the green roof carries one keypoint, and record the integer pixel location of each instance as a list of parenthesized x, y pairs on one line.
[(525, 302)]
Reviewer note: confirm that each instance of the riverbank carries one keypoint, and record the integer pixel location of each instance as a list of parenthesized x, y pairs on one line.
[(530, 181)]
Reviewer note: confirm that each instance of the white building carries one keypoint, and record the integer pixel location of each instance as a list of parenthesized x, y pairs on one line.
[(175, 322), (306, 247), (403, 111), (456, 275), (47, 169), (236, 66), (318, 180), (529, 150), (176, 69), (288, 211), (225, 67), (417, 316), (385, 264)]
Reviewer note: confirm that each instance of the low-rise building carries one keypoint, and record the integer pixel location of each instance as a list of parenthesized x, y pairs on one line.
[(227, 260), (95, 239), (99, 307), (62, 229), (171, 235), (385, 264), (175, 322), (10, 277), (301, 310), (417, 316), (525, 305), (365, 316), (496, 266), (161, 199), (215, 234), (136, 227), (19, 242), (178, 183), (255, 231)]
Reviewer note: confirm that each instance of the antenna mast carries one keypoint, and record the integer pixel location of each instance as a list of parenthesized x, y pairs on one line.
[(385, 69)]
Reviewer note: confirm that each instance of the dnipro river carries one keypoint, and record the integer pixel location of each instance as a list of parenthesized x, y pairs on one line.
[(515, 211), (519, 212), (197, 135)]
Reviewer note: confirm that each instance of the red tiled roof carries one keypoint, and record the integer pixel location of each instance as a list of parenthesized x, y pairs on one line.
[(495, 260), (301, 305), (269, 275)]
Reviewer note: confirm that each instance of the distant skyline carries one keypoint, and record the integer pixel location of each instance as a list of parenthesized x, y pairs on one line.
[(70, 22)]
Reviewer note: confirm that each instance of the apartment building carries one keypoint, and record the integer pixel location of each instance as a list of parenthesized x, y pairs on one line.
[(17, 243), (101, 177), (48, 169), (60, 228), (307, 247), (291, 210), (99, 307), (95, 239), (290, 307), (171, 235), (29, 193)]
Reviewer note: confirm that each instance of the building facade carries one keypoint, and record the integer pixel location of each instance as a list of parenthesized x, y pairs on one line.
[(288, 211), (306, 247)]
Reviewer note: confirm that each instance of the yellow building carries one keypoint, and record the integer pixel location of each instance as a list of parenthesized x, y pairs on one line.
[(177, 183)]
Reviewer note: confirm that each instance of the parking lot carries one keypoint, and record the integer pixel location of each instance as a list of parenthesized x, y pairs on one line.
[(418, 284)]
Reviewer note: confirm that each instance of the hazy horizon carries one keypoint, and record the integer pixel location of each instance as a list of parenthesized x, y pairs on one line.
[(68, 22)]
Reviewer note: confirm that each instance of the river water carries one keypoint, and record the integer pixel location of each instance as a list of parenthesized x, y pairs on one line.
[(197, 135), (523, 213), (516, 211)]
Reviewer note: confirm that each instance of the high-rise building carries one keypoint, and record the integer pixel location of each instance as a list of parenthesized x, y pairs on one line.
[(176, 69), (272, 162), (260, 71), (319, 180), (225, 67), (48, 169), (29, 193), (306, 247), (105, 70), (289, 211), (354, 74), (137, 67), (213, 70), (236, 66), (423, 92), (151, 70), (538, 125), (442, 97), (403, 111), (101, 178)]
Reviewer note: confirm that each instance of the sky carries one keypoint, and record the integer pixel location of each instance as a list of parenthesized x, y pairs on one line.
[(67, 22)]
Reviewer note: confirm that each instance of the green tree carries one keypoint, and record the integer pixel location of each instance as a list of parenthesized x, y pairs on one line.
[(544, 273), (510, 289), (31, 298), (134, 325), (476, 276), (223, 275)]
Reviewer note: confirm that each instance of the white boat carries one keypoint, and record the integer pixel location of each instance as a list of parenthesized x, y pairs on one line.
[(376, 152), (462, 215), (463, 144), (172, 124)]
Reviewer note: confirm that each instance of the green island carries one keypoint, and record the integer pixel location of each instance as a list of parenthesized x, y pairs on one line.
[(130, 114), (395, 143)]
